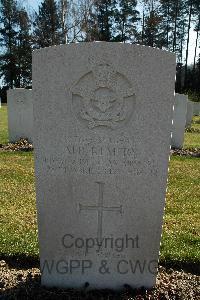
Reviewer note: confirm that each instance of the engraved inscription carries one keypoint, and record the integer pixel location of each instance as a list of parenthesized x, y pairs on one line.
[(99, 155), (100, 208), (103, 97)]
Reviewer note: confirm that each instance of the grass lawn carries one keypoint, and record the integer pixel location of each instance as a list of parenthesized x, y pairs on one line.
[(191, 139), (3, 125), (18, 232), (181, 240), (18, 228)]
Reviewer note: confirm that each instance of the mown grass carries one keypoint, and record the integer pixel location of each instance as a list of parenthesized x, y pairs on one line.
[(18, 233), (181, 239), (3, 125), (192, 139), (196, 122), (18, 225)]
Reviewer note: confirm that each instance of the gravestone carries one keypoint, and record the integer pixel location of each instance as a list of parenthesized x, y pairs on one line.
[(102, 130), (179, 120), (189, 114), (196, 108), (20, 114)]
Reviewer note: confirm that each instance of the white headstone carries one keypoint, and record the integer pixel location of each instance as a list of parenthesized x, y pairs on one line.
[(179, 120), (196, 108), (102, 124), (20, 114), (189, 114)]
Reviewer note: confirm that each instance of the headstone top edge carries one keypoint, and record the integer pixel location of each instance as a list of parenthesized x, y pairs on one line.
[(18, 90), (177, 95), (102, 43)]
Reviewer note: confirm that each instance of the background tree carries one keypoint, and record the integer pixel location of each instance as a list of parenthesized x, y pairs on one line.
[(78, 20), (193, 80), (47, 25), (104, 14), (165, 24), (8, 34), (190, 7), (90, 21), (23, 50), (63, 7), (126, 19), (152, 36)]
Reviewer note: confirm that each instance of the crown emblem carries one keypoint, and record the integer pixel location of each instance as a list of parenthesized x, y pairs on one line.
[(103, 97)]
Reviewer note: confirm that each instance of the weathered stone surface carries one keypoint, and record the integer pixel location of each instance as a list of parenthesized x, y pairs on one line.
[(189, 114), (102, 123), (179, 120), (196, 108), (20, 114)]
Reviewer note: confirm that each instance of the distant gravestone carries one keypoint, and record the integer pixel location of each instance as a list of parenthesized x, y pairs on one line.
[(179, 120), (102, 125), (196, 108), (20, 114), (189, 114)]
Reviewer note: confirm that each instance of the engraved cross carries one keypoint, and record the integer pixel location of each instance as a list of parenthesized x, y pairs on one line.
[(100, 208)]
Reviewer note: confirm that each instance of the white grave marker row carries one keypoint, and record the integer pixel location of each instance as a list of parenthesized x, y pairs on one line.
[(20, 114)]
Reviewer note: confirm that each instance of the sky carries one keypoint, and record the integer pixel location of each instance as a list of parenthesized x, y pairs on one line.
[(34, 5)]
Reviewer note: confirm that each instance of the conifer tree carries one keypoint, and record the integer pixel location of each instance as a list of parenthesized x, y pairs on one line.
[(126, 18), (47, 25), (103, 17), (8, 34), (151, 33), (23, 50)]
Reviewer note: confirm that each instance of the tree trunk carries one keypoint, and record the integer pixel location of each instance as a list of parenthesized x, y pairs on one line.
[(143, 18), (63, 16), (188, 39), (168, 25), (181, 82), (175, 26), (197, 36), (10, 51), (195, 55)]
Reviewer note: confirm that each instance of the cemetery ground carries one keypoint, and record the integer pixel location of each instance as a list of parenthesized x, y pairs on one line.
[(179, 269)]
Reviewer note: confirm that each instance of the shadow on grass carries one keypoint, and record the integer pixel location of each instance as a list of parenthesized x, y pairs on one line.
[(21, 261), (188, 267)]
